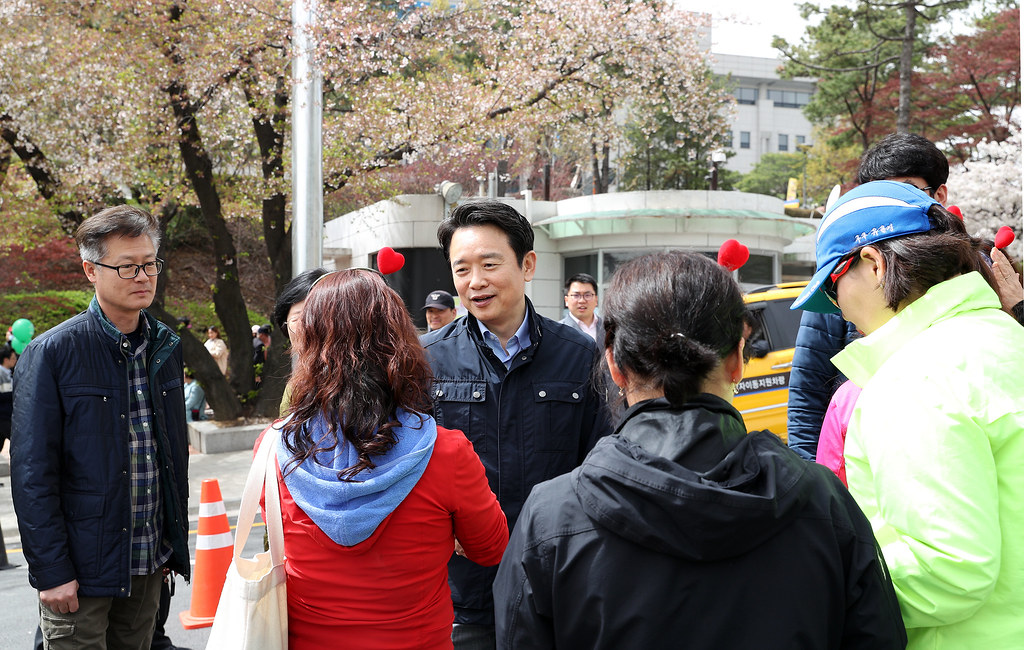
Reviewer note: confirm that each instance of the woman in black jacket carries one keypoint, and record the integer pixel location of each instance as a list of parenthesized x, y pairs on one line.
[(681, 530)]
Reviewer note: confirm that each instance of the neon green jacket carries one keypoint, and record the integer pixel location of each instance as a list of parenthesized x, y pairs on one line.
[(935, 457)]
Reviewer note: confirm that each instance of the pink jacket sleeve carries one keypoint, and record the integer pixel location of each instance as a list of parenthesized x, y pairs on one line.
[(833, 429)]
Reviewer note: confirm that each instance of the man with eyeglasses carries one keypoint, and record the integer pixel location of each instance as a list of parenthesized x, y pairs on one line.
[(581, 301), (100, 471), (902, 157)]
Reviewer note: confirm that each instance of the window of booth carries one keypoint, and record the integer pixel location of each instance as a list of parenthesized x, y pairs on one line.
[(759, 270)]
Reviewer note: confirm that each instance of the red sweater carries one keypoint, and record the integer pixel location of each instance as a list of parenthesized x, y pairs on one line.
[(391, 591)]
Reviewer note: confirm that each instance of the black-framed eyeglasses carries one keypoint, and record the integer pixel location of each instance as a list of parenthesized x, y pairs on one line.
[(828, 287), (927, 189), (588, 296), (129, 271)]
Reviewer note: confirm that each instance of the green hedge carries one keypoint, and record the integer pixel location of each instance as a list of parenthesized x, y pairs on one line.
[(45, 309), (49, 308)]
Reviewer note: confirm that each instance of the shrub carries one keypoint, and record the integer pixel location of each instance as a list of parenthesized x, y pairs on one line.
[(45, 309)]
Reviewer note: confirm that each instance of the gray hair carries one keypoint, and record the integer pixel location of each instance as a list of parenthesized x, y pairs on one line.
[(120, 220)]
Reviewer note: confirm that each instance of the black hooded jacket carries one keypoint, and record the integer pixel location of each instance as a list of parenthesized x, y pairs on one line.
[(682, 531)]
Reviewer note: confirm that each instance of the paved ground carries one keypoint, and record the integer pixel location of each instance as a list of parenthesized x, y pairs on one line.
[(20, 601)]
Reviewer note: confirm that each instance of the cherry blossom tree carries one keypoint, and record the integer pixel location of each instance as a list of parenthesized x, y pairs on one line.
[(987, 188), (185, 103)]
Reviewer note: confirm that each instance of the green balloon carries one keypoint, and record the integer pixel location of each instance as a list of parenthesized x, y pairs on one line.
[(23, 329), (18, 344)]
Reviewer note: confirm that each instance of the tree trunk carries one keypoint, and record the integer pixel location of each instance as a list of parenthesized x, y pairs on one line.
[(502, 173), (906, 67), (227, 289), (269, 130), (222, 398), (5, 163), (606, 167), (228, 300), (38, 167)]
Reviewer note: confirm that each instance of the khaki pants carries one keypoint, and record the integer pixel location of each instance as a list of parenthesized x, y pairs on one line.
[(106, 623)]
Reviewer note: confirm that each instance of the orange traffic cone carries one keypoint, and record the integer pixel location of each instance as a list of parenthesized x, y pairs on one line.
[(214, 549)]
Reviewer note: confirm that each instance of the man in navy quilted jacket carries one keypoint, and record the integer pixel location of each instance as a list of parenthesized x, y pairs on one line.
[(99, 453)]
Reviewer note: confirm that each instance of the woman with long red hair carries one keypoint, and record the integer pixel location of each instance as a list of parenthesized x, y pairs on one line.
[(374, 494)]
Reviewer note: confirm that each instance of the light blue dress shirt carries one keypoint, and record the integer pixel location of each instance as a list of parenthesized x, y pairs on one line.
[(519, 341)]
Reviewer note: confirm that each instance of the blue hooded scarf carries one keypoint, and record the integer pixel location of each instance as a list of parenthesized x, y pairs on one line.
[(350, 511)]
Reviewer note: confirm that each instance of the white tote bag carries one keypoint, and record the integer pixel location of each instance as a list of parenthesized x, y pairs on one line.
[(253, 609)]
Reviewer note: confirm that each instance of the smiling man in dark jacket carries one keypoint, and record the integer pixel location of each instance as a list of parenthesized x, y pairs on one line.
[(516, 383), (99, 451)]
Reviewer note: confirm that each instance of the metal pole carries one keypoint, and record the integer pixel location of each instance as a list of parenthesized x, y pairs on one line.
[(307, 143)]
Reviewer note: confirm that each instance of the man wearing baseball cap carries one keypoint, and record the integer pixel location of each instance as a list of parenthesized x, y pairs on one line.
[(935, 442), (439, 309)]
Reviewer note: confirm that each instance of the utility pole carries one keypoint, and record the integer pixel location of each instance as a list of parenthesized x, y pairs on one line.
[(307, 142)]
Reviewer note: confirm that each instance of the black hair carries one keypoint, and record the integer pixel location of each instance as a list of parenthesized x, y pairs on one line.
[(582, 278), (6, 352), (488, 213), (670, 318), (264, 329), (918, 262), (904, 154), (294, 292)]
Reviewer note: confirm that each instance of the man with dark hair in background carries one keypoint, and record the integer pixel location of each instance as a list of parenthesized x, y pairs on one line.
[(516, 383), (581, 301), (902, 157), (261, 346)]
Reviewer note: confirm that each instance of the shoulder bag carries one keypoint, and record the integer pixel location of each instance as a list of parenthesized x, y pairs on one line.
[(253, 609)]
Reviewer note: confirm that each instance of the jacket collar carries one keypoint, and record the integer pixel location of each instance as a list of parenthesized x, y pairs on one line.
[(473, 325), (964, 293), (706, 422), (162, 337)]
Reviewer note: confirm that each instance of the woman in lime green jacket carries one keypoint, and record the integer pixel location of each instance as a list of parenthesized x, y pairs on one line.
[(935, 447)]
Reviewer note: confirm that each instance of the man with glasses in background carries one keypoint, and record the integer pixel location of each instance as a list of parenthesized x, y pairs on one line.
[(99, 448), (581, 301)]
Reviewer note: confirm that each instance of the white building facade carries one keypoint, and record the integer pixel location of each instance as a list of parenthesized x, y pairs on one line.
[(769, 110), (590, 234)]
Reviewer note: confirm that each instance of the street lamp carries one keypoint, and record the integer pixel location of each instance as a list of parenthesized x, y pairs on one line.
[(717, 156), (449, 191)]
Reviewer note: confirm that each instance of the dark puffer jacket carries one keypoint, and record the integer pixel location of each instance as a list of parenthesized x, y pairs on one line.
[(530, 423), (813, 379), (681, 531), (70, 457)]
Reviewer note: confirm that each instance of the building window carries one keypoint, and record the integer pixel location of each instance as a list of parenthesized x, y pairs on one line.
[(728, 142), (789, 98), (744, 139), (759, 270), (746, 95), (800, 139), (783, 142)]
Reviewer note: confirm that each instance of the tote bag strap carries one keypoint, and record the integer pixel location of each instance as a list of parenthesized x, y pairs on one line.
[(263, 471)]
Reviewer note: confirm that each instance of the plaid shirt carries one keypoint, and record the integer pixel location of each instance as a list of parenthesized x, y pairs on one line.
[(150, 550)]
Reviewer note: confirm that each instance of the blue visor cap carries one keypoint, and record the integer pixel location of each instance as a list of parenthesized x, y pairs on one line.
[(868, 213)]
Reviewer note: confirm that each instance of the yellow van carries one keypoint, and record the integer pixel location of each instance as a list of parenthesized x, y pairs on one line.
[(763, 394)]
